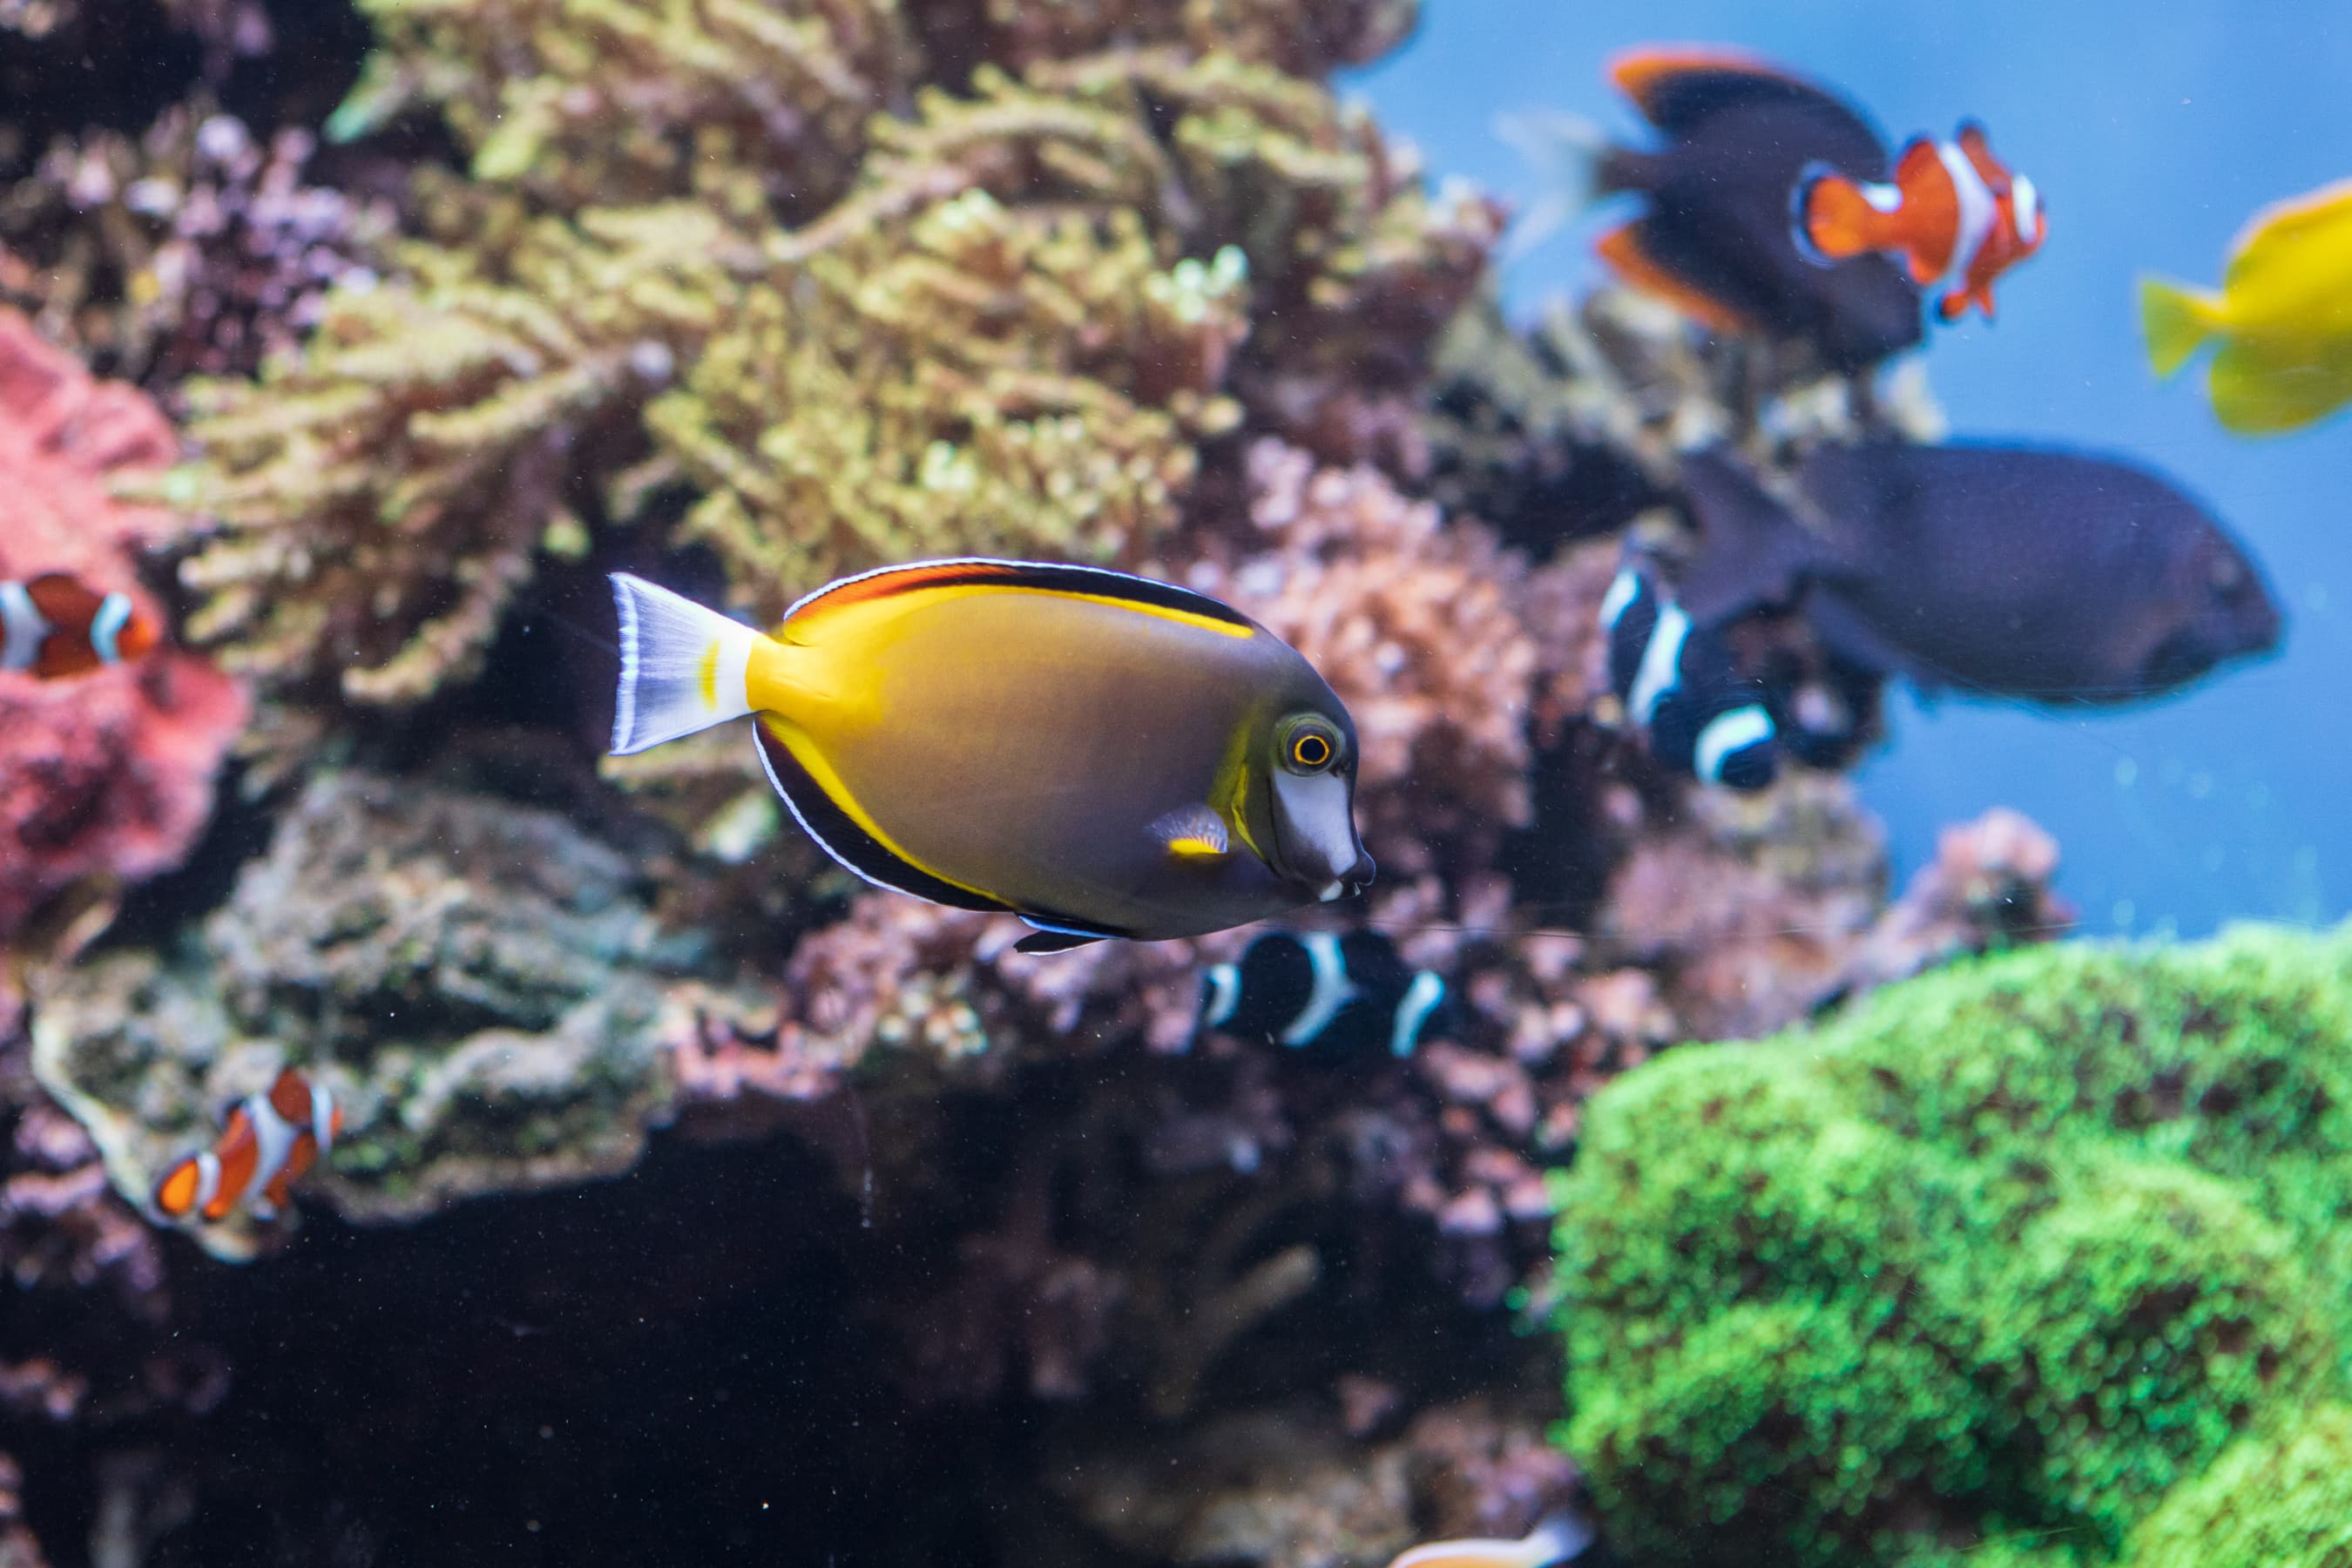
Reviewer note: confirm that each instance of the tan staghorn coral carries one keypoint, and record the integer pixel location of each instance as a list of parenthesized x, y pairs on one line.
[(599, 102), (1306, 39), (379, 501)]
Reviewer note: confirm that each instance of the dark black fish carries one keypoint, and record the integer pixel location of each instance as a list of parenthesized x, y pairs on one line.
[(1681, 687), (1334, 995), (1717, 237), (2014, 572)]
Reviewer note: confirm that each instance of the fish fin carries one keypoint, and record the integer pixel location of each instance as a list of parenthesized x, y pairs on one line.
[(2260, 387), (1192, 833), (1055, 939), (1560, 1537), (1142, 594), (1835, 220), (2277, 232), (1628, 256), (180, 1189), (682, 665), (1574, 165), (2176, 320), (1676, 86), (1753, 553), (839, 834), (1857, 642)]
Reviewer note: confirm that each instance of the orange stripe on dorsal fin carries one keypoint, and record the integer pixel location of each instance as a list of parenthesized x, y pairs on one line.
[(1622, 249), (1030, 576), (1676, 85)]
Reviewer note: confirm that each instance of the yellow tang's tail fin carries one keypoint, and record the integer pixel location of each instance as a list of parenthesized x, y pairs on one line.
[(682, 665), (2177, 320)]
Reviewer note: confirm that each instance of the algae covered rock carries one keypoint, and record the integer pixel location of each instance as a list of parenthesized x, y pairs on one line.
[(2010, 1254), (483, 987)]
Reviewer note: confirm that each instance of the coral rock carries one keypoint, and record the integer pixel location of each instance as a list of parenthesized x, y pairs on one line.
[(109, 774)]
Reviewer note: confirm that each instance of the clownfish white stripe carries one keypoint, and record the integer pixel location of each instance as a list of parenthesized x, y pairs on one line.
[(1661, 664), (1979, 210), (273, 1140), (1224, 994), (113, 614), (1726, 734), (1886, 198), (25, 630), (1624, 588), (323, 1118), (208, 1175), (1333, 989), (682, 665), (1420, 998), (2025, 204)]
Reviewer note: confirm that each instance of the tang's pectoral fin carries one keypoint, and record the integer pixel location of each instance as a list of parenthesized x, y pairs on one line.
[(1192, 833)]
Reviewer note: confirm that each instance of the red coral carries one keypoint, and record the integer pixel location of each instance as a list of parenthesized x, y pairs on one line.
[(109, 774)]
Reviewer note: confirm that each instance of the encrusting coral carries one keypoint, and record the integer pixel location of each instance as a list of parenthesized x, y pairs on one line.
[(105, 777), (2016, 1250)]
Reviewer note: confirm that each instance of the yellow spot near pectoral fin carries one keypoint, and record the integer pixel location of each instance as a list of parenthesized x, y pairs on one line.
[(1192, 833)]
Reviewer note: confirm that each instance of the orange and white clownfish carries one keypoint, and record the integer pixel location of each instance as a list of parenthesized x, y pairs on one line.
[(1562, 1538), (57, 625), (1954, 213), (267, 1142)]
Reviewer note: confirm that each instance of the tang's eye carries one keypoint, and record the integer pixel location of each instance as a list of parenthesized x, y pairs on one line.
[(1312, 747)]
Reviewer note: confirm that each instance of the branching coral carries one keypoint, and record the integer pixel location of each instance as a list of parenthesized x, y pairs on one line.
[(606, 102), (380, 499), (2020, 1247)]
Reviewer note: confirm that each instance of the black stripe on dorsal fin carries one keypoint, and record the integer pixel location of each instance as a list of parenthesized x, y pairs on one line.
[(1041, 576), (837, 833), (1677, 87)]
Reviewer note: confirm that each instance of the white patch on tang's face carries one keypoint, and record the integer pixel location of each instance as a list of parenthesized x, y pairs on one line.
[(113, 614), (1315, 824), (22, 629), (1661, 663), (1727, 735), (1420, 998), (1332, 990), (1979, 210), (1623, 589)]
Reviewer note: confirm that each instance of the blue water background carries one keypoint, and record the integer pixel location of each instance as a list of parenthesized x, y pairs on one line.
[(2153, 131)]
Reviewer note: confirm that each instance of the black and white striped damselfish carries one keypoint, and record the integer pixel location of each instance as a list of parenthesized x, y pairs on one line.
[(1334, 996), (1680, 687), (1101, 754)]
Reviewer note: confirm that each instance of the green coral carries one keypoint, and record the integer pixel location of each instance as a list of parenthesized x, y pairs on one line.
[(2011, 1252)]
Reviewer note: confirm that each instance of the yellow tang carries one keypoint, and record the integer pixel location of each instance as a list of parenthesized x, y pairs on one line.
[(2284, 315), (1101, 754)]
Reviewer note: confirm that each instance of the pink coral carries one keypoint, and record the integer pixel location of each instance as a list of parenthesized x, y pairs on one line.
[(107, 774)]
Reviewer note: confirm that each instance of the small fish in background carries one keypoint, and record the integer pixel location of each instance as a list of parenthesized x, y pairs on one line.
[(1102, 755), (2017, 571), (2282, 317), (1562, 1538), (1680, 686), (1334, 996), (1715, 238), (267, 1142), (56, 625), (1955, 215)]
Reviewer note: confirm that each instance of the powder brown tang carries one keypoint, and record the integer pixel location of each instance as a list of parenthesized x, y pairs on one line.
[(1102, 754)]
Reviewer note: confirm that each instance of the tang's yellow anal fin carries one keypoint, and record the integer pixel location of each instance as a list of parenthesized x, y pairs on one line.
[(2262, 387)]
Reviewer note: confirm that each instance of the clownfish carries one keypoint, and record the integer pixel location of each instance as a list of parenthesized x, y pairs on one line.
[(267, 1142), (1954, 213), (1677, 680), (1328, 994), (56, 625), (1562, 1538), (1100, 754), (2282, 317)]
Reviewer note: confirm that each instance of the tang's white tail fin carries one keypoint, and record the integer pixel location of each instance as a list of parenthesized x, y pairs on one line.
[(682, 665), (1570, 157)]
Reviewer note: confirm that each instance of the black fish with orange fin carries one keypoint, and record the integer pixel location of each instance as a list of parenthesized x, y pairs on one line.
[(2027, 573), (56, 625), (267, 1142), (1741, 133)]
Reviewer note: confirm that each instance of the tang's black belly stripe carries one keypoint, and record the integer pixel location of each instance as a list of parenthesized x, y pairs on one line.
[(840, 836)]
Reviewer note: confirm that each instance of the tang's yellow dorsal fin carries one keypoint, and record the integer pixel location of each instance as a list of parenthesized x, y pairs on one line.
[(2291, 234)]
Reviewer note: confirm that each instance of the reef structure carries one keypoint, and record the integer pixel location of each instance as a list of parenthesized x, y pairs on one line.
[(2041, 1251)]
